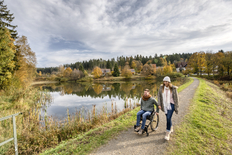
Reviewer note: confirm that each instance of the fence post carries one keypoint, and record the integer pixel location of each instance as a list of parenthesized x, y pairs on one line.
[(15, 136)]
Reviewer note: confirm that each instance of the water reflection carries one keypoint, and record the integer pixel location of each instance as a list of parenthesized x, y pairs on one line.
[(82, 96)]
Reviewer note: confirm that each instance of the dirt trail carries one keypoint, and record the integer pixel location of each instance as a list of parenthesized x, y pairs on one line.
[(128, 142)]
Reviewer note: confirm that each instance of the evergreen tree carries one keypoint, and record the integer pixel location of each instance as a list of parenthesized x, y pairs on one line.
[(108, 65), (7, 54), (6, 18), (116, 71), (81, 68)]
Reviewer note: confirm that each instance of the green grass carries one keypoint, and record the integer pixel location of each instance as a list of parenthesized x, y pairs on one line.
[(207, 128), (182, 87), (86, 142)]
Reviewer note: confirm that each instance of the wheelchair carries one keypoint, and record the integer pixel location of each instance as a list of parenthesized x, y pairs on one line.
[(153, 122)]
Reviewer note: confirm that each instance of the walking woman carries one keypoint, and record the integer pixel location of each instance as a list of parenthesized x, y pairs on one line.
[(168, 102)]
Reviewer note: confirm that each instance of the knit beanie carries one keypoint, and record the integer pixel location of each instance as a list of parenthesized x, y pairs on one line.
[(166, 78)]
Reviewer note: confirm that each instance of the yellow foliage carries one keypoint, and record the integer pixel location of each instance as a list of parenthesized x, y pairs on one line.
[(26, 60), (97, 72), (133, 64), (167, 69), (126, 72), (40, 74), (68, 72)]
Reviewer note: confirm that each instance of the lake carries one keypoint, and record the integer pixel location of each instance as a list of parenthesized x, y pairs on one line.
[(82, 96)]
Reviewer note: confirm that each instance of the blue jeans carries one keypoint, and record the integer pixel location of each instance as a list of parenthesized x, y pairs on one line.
[(144, 115), (169, 117)]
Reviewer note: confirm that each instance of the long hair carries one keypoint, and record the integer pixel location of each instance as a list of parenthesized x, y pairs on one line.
[(169, 85)]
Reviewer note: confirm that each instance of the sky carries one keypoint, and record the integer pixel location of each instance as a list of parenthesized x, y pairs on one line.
[(68, 31)]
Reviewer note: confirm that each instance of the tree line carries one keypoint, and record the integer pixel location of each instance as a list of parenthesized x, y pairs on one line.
[(121, 62), (210, 63)]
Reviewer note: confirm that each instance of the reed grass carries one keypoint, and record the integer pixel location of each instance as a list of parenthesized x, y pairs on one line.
[(36, 132)]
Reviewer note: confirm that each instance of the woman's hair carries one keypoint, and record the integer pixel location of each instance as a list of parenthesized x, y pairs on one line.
[(169, 85)]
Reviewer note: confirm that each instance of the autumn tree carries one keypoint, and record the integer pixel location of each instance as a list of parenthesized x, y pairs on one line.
[(163, 61), (126, 72), (137, 65), (6, 18), (147, 70), (61, 70), (7, 54), (220, 67), (201, 62), (227, 61), (26, 60), (209, 62), (193, 63), (116, 72), (68, 72), (97, 72), (133, 64), (167, 69), (77, 74)]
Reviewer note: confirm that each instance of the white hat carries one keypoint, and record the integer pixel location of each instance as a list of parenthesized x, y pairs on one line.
[(166, 78)]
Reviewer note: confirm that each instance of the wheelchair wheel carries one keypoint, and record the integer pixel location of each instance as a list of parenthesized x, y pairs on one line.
[(155, 122)]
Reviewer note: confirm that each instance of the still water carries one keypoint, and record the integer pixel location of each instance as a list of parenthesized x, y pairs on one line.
[(82, 96)]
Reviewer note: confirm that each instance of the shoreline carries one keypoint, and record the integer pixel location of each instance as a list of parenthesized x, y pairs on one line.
[(43, 82)]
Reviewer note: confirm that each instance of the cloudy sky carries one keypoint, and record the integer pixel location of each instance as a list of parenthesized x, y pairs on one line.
[(67, 31)]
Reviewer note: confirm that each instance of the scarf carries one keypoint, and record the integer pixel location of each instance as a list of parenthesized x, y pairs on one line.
[(145, 98), (166, 99)]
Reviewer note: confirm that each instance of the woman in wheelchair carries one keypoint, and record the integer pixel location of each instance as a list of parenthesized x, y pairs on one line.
[(147, 107)]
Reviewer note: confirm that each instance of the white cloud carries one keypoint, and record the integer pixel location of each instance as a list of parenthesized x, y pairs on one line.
[(65, 31)]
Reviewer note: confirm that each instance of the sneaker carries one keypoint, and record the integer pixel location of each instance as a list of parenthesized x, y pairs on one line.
[(137, 129), (171, 129), (167, 136), (140, 131)]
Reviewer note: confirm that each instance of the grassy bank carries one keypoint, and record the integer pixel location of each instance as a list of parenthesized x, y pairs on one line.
[(207, 128), (86, 142)]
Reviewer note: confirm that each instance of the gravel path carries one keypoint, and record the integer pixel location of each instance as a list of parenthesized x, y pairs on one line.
[(128, 142)]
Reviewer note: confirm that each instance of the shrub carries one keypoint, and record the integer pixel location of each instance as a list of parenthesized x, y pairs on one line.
[(126, 73), (63, 80), (52, 77)]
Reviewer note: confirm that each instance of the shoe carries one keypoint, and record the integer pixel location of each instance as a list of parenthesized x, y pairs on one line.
[(171, 129), (140, 131), (137, 128), (167, 136)]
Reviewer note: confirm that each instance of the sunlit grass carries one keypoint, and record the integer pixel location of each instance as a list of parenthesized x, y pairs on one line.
[(207, 128)]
